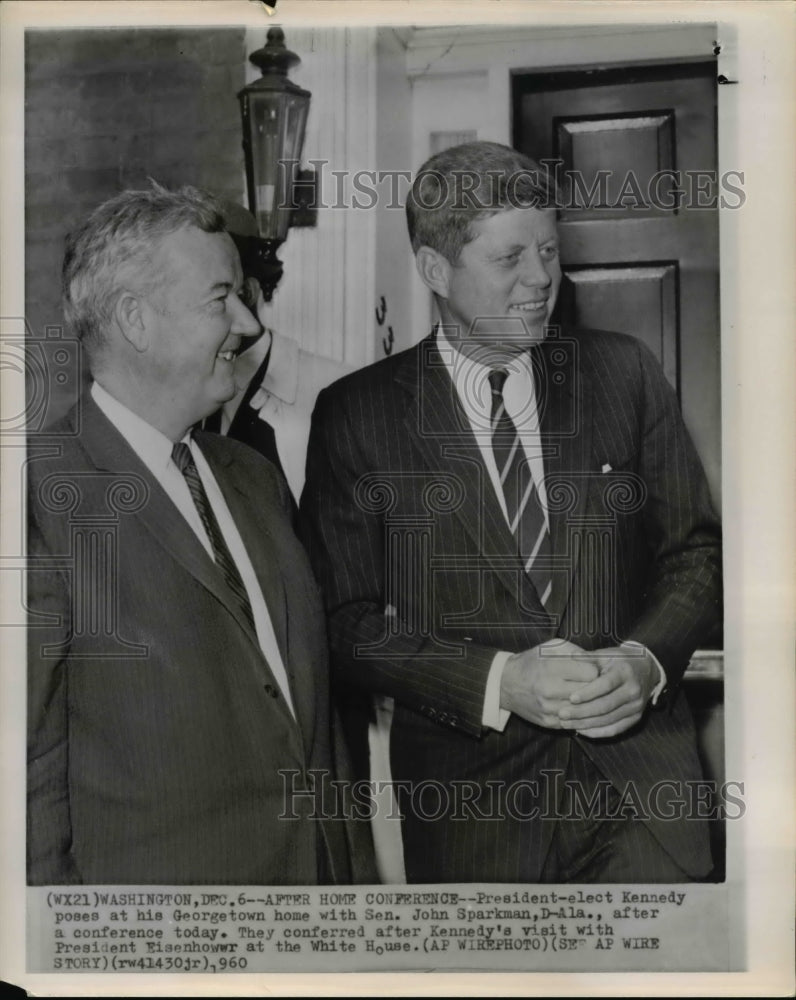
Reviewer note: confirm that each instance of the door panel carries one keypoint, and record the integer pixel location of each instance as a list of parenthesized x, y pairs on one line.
[(606, 149), (637, 257), (641, 297)]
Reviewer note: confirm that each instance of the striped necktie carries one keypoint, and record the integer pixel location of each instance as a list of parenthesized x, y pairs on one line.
[(182, 458), (523, 505)]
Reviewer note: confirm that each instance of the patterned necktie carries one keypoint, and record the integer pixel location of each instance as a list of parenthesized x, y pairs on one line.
[(523, 506), (182, 458)]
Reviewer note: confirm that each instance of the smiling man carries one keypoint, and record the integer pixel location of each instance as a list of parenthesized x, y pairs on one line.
[(518, 554), (177, 656)]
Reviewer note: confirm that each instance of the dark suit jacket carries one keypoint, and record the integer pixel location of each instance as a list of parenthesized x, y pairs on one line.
[(422, 585), (157, 732)]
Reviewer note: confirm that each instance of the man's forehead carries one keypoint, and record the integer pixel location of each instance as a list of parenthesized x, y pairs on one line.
[(516, 221), (212, 256)]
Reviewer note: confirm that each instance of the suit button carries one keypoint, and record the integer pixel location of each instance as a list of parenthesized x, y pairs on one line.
[(270, 689)]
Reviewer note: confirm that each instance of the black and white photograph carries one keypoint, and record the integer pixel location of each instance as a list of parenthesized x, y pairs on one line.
[(397, 497)]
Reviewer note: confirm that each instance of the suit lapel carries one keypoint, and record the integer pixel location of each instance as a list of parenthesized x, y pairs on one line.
[(441, 431), (109, 451), (256, 531), (255, 534)]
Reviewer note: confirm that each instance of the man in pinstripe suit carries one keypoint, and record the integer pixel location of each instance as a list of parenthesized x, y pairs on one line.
[(516, 544)]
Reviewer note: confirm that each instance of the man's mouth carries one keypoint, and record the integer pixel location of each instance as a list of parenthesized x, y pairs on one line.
[(535, 306), (226, 355)]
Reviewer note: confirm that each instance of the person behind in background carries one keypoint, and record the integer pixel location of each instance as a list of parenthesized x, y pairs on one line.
[(277, 381)]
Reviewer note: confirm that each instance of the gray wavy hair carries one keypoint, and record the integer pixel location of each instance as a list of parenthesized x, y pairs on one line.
[(113, 251)]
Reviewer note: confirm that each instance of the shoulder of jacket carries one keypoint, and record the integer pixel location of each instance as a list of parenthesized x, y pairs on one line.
[(597, 341), (374, 377)]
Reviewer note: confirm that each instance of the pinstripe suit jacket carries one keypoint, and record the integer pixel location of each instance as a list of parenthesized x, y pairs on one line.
[(156, 730), (422, 585)]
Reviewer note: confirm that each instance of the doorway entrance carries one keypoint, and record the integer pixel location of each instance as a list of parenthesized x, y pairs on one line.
[(639, 222)]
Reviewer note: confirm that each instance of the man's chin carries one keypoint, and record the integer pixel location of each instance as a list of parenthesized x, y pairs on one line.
[(224, 379), (224, 390)]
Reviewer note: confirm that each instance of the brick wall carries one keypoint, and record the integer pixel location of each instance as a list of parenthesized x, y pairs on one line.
[(105, 110)]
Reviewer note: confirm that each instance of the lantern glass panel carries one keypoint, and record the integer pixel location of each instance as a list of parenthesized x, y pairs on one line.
[(277, 121)]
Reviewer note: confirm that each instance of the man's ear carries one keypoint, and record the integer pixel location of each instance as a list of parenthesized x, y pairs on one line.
[(434, 269), (129, 315)]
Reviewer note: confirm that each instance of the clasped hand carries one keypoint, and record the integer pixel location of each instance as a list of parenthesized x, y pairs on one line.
[(598, 693)]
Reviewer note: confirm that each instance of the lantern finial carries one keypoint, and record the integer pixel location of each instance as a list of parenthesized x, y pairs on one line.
[(274, 56)]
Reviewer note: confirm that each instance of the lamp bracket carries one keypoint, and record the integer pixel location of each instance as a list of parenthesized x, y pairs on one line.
[(259, 260)]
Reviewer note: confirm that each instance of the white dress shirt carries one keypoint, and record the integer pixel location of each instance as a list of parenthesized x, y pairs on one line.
[(154, 449)]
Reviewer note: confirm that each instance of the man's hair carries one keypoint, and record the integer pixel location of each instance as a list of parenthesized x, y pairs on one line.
[(466, 183), (114, 250)]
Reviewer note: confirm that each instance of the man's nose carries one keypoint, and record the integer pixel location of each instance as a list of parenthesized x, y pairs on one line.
[(534, 272), (244, 322)]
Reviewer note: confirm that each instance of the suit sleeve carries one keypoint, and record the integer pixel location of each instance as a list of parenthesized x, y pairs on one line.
[(682, 607), (346, 542), (49, 834)]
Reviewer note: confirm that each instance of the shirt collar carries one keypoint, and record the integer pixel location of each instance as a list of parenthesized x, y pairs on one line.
[(281, 379), (151, 446), (247, 363), (281, 376), (471, 377)]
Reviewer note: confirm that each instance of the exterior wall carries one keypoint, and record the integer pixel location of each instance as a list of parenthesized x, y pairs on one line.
[(105, 110)]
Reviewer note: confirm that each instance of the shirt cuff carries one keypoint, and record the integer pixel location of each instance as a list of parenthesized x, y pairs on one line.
[(658, 690), (495, 717)]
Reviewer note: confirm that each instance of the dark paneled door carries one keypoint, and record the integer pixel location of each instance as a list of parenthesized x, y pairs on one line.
[(650, 269), (639, 223)]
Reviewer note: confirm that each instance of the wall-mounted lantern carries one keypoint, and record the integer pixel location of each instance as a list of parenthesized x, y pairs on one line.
[(274, 112)]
